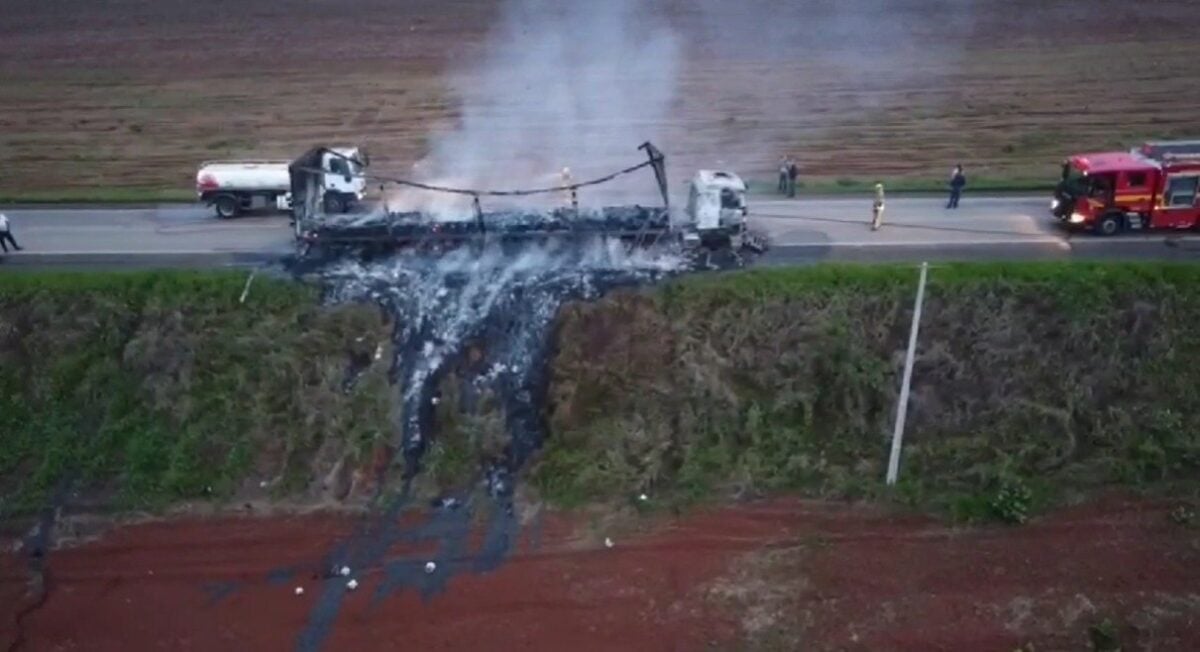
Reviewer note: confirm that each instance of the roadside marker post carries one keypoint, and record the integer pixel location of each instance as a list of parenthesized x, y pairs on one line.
[(902, 408), (246, 289)]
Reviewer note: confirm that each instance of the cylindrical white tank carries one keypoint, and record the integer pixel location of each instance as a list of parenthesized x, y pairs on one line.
[(246, 176)]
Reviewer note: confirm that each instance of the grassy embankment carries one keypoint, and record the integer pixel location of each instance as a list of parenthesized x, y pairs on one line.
[(150, 388), (1034, 383)]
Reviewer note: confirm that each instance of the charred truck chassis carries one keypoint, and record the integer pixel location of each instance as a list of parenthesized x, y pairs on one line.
[(384, 233), (634, 226)]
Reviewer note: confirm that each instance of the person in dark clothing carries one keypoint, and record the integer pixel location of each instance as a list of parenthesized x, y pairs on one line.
[(957, 181), (793, 171)]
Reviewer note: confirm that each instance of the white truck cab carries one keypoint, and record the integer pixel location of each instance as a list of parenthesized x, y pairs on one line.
[(233, 187), (716, 209), (345, 175), (343, 184)]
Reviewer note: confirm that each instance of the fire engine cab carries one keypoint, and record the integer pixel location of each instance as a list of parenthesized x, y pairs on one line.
[(1155, 186)]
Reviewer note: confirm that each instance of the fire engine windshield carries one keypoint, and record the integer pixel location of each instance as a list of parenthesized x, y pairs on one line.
[(1070, 172), (1074, 180)]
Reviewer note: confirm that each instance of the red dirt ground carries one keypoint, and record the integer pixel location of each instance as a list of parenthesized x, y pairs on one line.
[(827, 576)]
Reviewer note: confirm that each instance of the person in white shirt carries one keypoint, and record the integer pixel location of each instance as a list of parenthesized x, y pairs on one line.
[(6, 234)]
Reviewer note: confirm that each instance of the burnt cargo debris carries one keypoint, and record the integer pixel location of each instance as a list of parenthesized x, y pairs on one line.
[(500, 306), (714, 218), (636, 225)]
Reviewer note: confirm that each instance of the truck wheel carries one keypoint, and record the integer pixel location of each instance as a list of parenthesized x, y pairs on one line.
[(334, 204), (227, 206), (1110, 224)]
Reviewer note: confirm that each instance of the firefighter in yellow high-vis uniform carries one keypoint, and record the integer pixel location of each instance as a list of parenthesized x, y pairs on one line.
[(568, 193), (877, 208)]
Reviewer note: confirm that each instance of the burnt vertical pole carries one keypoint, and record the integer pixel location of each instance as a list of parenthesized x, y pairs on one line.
[(659, 163), (478, 213)]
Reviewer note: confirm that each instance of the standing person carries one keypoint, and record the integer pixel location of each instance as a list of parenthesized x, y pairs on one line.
[(793, 171), (6, 235), (568, 193), (957, 181), (784, 162), (877, 208)]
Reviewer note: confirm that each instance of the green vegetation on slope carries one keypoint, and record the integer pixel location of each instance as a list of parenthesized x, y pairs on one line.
[(151, 387), (1032, 381)]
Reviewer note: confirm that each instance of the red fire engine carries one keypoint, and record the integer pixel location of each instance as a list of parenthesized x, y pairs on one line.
[(1154, 186)]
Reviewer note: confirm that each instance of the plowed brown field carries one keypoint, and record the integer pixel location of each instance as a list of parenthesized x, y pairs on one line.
[(134, 94)]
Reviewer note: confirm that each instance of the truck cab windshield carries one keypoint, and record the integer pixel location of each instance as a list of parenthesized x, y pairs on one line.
[(1073, 178), (1071, 173), (1078, 184), (730, 199), (339, 165)]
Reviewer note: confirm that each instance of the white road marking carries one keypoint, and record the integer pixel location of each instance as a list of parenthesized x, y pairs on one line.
[(140, 252), (148, 228), (1063, 244)]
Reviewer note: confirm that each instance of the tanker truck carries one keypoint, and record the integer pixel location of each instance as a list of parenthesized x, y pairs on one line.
[(234, 187)]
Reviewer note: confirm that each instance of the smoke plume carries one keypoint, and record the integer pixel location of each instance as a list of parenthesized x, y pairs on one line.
[(575, 85)]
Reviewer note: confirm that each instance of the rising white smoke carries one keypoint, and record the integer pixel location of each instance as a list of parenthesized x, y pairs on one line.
[(575, 85)]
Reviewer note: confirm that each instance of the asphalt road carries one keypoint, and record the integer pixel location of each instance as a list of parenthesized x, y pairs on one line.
[(922, 229), (801, 231)]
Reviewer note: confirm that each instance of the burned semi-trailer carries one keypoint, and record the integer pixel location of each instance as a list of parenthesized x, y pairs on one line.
[(714, 218)]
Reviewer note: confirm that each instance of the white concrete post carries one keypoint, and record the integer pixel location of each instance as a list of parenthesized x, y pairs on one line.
[(902, 408), (246, 289)]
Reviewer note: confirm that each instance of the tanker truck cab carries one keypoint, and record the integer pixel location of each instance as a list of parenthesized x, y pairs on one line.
[(343, 182), (716, 209), (234, 187), (1151, 187)]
